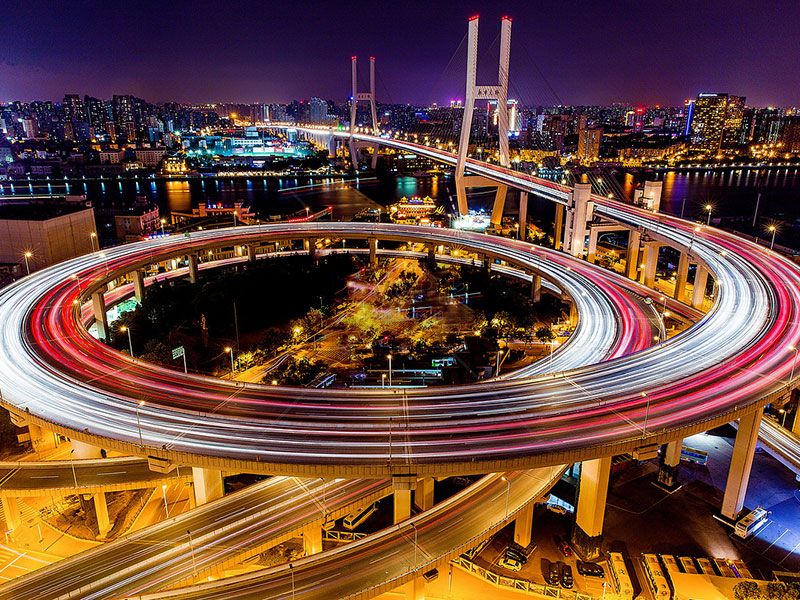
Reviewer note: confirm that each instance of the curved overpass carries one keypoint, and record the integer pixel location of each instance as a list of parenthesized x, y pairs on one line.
[(726, 365)]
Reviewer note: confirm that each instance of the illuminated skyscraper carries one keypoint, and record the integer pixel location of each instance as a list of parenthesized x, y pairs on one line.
[(708, 122)]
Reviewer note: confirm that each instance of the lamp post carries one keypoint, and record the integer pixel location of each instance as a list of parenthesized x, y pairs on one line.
[(646, 413), (92, 236), (774, 230), (783, 420), (794, 361), (508, 492), (164, 495), (163, 222), (139, 423), (383, 380), (389, 356), (229, 350), (125, 329), (708, 220), (27, 266), (415, 544)]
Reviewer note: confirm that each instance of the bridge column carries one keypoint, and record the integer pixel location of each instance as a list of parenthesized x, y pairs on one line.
[(592, 254), (523, 525), (402, 487), (681, 276), (700, 281), (416, 589), (536, 287), (670, 464), (83, 450), (523, 216), (312, 541), (558, 227), (138, 284), (587, 534), (373, 251), (499, 205), (744, 449), (101, 510), (193, 271), (100, 315), (251, 253), (423, 496), (11, 513), (431, 257), (580, 209), (208, 485), (632, 256), (651, 263)]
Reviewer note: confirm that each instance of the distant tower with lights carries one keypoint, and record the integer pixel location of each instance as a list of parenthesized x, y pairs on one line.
[(365, 97), (474, 92)]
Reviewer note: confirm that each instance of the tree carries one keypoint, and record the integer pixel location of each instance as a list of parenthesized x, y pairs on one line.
[(746, 590), (545, 335), (156, 351)]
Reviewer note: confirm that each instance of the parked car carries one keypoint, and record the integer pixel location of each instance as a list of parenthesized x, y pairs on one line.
[(564, 548), (551, 573), (566, 576), (510, 561), (430, 575), (588, 569), (556, 508)]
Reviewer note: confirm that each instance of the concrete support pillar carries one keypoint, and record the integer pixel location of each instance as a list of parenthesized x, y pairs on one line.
[(796, 422), (536, 287), (312, 541), (700, 281), (580, 209), (423, 496), (101, 510), (670, 463), (651, 263), (193, 272), (523, 216), (100, 316), (592, 254), (42, 440), (523, 525), (431, 257), (83, 450), (587, 534), (373, 251), (558, 227), (573, 313), (11, 513), (499, 205), (402, 487), (208, 485), (739, 472), (251, 253), (680, 278), (632, 257), (415, 590), (138, 284)]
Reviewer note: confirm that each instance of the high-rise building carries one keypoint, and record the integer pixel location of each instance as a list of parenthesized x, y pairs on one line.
[(96, 114), (589, 139), (734, 114), (708, 122), (791, 135)]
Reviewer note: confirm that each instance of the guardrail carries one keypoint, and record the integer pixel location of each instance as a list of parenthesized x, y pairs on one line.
[(334, 535), (522, 585)]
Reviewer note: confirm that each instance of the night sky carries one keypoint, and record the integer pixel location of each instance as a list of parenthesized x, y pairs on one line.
[(591, 52)]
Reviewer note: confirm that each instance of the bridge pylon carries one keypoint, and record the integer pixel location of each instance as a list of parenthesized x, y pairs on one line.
[(363, 97), (475, 92)]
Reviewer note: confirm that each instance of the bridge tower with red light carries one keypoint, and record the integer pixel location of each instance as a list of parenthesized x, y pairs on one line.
[(363, 97), (475, 92)]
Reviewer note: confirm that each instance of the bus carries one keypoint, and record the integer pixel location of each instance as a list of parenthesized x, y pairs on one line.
[(357, 517), (705, 566), (670, 564), (740, 569), (724, 567), (655, 577), (619, 574), (693, 455), (688, 565), (751, 522)]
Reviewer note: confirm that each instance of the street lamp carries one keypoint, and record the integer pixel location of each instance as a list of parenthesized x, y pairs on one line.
[(646, 413), (783, 420), (130, 343), (415, 544), (164, 494), (163, 222), (774, 230), (139, 423), (92, 236), (508, 492), (708, 221), (389, 356), (383, 380), (229, 350), (27, 266)]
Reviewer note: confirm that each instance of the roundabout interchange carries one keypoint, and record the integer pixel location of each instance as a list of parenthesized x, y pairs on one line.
[(611, 392)]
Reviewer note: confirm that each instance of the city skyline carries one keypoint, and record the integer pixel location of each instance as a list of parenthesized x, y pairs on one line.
[(242, 55)]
